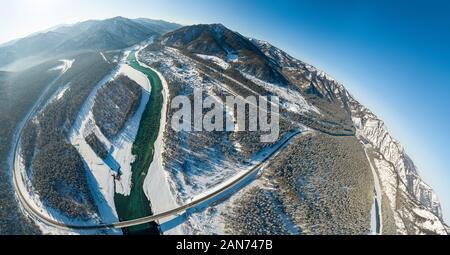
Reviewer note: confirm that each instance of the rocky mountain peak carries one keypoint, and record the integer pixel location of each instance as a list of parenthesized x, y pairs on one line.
[(219, 41)]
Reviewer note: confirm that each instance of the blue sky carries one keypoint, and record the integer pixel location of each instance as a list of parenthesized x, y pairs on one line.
[(393, 56)]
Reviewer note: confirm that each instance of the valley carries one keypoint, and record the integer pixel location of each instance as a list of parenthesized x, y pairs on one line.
[(94, 150), (136, 205)]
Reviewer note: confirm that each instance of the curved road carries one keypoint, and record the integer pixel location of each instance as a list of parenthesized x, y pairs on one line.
[(36, 214)]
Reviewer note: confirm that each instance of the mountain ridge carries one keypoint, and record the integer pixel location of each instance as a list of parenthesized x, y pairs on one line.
[(109, 34), (407, 197), (224, 62), (389, 147), (217, 40)]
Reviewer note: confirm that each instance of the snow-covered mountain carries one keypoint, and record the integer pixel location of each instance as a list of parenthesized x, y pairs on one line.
[(193, 57), (414, 204), (110, 34), (334, 168)]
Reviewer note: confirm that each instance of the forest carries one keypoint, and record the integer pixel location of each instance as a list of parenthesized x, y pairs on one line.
[(97, 146), (57, 170), (322, 183), (115, 103), (18, 93)]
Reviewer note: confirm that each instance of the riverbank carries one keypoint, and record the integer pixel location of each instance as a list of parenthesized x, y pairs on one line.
[(157, 185), (136, 204)]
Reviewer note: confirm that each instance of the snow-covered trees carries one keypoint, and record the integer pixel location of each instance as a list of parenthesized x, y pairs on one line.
[(58, 173), (115, 103), (18, 92), (60, 178), (323, 184), (258, 212), (97, 145), (28, 143)]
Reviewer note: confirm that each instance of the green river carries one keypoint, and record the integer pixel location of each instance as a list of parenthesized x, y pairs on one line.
[(136, 205)]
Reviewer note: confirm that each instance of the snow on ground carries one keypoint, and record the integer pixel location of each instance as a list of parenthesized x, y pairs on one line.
[(101, 176), (189, 75), (29, 198), (66, 65), (376, 206), (218, 61), (58, 95), (34, 200), (257, 159), (293, 100), (198, 177), (230, 115), (388, 178), (431, 222), (232, 58), (104, 58), (123, 143), (157, 185), (206, 218), (61, 92), (167, 188)]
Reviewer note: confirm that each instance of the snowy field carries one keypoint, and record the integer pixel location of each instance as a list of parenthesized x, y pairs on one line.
[(218, 61), (157, 185), (101, 176), (24, 186), (65, 65), (207, 217), (168, 187), (376, 206), (291, 100)]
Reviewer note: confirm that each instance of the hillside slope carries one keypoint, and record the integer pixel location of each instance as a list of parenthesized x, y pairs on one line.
[(223, 62), (100, 35)]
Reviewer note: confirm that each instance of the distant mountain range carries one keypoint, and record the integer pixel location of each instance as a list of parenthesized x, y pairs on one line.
[(110, 34)]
